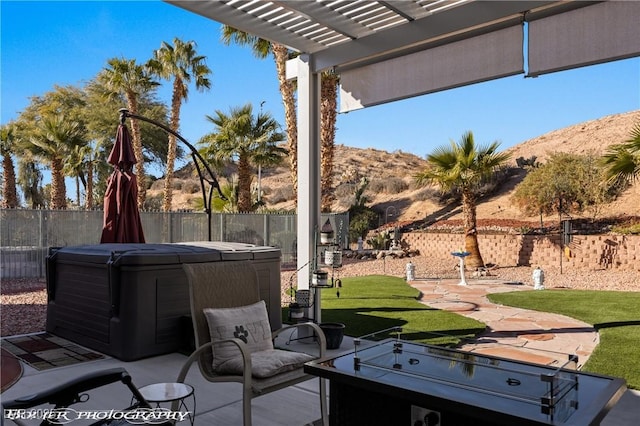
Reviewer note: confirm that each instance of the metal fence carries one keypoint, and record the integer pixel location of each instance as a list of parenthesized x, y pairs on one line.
[(27, 235)]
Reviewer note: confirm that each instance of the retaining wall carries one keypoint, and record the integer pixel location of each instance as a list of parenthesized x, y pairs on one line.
[(621, 252)]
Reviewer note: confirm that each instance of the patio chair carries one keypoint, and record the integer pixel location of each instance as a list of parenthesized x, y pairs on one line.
[(74, 392), (233, 337)]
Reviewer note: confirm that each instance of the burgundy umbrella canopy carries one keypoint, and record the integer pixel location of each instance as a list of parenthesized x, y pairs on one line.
[(121, 216)]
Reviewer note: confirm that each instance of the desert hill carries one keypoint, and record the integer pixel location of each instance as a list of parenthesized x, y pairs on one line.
[(391, 189), (593, 136)]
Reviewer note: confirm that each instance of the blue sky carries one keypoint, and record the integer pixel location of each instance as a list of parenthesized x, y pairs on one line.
[(69, 42)]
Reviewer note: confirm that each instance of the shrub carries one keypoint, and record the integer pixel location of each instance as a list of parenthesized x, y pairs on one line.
[(176, 184), (153, 203), (627, 229), (281, 195), (266, 190), (345, 191), (530, 162), (567, 183), (149, 180), (362, 219), (498, 178), (157, 185), (191, 187), (427, 194), (380, 241), (391, 185), (524, 230)]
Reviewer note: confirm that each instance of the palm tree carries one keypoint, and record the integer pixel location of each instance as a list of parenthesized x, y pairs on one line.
[(261, 48), (328, 117), (249, 140), (125, 77), (227, 205), (94, 160), (9, 191), (181, 63), (463, 167), (76, 165), (54, 139), (30, 181), (623, 160), (328, 109)]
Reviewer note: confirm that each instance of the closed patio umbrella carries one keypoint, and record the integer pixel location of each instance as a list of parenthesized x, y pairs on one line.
[(121, 216)]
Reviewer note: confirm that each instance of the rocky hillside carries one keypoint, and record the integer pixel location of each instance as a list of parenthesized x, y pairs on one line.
[(391, 188), (589, 137)]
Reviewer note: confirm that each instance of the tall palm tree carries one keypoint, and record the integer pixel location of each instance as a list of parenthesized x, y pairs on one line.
[(9, 191), (124, 76), (328, 109), (261, 48), (181, 63), (287, 92), (464, 166), (94, 160), (249, 140), (75, 165), (54, 139), (623, 160), (46, 129)]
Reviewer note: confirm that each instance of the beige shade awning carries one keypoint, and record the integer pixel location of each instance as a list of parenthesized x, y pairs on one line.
[(390, 50), (396, 49)]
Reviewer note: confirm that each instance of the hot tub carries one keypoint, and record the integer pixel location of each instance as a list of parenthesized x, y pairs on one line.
[(130, 301)]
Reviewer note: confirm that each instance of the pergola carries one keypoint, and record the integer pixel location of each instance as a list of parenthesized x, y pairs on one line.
[(390, 50)]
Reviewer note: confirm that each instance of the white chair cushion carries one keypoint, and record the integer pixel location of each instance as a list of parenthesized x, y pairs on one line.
[(266, 363), (248, 323)]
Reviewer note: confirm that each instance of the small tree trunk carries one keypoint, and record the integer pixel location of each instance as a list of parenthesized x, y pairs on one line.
[(171, 152), (78, 196), (244, 184), (9, 191), (89, 198), (474, 260), (58, 187)]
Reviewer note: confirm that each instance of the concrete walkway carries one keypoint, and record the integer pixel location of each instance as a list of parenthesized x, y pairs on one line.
[(514, 333), (522, 334), (221, 403)]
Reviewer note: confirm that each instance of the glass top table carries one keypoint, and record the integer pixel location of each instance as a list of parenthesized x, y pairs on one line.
[(159, 393), (462, 380)]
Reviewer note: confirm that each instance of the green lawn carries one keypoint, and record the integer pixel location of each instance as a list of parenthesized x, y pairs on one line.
[(374, 303), (378, 302), (616, 316)]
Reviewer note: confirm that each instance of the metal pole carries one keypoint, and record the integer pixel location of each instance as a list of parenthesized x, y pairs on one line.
[(210, 179), (561, 235)]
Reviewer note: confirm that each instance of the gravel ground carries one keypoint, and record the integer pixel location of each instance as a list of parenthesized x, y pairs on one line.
[(24, 300)]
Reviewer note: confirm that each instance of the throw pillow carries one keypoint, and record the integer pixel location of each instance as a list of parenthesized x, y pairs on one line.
[(248, 323)]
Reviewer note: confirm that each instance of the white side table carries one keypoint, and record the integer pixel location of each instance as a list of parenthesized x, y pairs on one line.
[(159, 393)]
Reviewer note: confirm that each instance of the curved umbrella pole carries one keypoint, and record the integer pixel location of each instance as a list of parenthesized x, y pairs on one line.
[(198, 161)]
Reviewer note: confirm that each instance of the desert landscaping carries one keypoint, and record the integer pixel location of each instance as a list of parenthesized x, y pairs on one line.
[(23, 301), (350, 163)]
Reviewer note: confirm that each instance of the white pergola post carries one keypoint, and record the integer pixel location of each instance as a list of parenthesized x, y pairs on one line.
[(308, 172)]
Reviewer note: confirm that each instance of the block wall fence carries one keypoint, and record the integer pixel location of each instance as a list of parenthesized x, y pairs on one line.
[(620, 252)]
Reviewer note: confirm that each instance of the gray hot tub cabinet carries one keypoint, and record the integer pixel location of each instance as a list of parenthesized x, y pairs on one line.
[(130, 300)]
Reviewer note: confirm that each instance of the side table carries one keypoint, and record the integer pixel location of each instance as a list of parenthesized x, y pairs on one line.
[(159, 393)]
